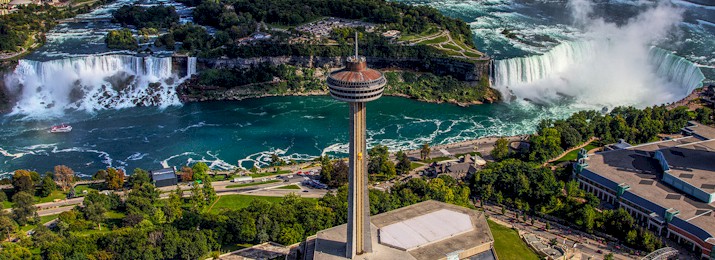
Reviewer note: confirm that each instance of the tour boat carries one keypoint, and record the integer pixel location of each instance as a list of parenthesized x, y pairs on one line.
[(61, 128)]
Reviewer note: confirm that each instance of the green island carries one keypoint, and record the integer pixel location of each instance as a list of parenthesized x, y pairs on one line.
[(24, 30), (423, 54)]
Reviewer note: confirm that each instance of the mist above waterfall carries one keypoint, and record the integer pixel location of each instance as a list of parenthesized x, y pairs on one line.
[(609, 65)]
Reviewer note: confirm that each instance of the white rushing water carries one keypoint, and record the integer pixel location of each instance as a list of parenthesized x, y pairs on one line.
[(583, 71), (94, 82)]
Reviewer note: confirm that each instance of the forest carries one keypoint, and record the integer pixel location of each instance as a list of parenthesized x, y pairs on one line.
[(158, 17), (142, 226)]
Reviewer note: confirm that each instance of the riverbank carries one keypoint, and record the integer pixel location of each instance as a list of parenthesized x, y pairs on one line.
[(266, 79)]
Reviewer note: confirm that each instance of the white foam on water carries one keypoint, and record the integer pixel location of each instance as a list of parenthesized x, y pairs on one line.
[(91, 83)]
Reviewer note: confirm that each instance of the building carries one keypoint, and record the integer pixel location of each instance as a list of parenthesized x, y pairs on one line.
[(426, 230), (164, 177), (357, 84), (667, 186)]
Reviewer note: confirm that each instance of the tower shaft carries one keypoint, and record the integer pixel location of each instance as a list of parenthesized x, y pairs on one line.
[(359, 240)]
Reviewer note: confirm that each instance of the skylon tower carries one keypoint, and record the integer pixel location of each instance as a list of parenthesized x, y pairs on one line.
[(357, 84)]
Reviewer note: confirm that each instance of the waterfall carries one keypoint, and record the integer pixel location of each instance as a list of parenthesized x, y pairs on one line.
[(190, 66), (93, 82), (676, 69), (529, 69), (599, 73)]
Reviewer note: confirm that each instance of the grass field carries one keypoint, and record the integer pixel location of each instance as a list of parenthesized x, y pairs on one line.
[(234, 202), (571, 156), (436, 159), (440, 39), (251, 184), (79, 190), (290, 187), (43, 220), (414, 165), (54, 195), (509, 245)]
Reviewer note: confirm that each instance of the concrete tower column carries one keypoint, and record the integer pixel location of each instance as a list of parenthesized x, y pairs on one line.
[(359, 240)]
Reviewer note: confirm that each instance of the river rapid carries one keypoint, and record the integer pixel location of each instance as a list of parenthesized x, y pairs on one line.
[(561, 62)]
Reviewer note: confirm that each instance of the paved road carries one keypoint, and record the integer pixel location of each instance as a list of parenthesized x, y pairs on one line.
[(221, 188)]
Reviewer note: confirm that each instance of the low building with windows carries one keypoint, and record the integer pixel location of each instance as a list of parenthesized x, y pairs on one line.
[(667, 186), (164, 177)]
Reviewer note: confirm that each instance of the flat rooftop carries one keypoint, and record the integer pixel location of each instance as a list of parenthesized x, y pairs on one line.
[(419, 220), (691, 159), (700, 130)]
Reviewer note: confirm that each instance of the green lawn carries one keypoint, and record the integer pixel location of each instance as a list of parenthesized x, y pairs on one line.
[(472, 54), (252, 184), (79, 190), (451, 46), (436, 159), (414, 165), (290, 187), (440, 39), (509, 245), (571, 156), (233, 202), (43, 220), (54, 195)]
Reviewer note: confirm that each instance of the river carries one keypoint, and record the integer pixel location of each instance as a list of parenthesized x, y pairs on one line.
[(552, 62)]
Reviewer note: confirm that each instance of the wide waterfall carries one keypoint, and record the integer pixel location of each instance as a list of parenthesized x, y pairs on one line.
[(598, 73), (94, 82), (676, 69), (529, 69)]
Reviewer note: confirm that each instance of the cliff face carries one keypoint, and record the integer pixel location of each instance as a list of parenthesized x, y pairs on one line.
[(461, 70)]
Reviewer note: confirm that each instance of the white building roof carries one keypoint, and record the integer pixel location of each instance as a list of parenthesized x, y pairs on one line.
[(425, 229)]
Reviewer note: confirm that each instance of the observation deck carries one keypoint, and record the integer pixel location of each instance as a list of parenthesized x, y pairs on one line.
[(356, 82)]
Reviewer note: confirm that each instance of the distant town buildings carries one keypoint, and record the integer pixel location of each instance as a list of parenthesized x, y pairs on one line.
[(667, 186), (323, 28)]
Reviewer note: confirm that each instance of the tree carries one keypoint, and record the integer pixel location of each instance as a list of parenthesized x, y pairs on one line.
[(276, 160), (139, 177), (121, 39), (380, 164), (501, 149), (7, 226), (48, 186), (403, 163), (94, 210), (209, 192), (14, 251), (201, 171), (187, 174), (425, 151), (197, 196), (23, 212), (22, 181), (100, 175), (115, 178), (64, 176)]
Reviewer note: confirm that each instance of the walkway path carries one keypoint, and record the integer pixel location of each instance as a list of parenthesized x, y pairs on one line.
[(571, 150)]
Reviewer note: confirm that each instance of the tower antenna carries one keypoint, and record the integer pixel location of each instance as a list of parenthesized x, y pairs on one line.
[(356, 46)]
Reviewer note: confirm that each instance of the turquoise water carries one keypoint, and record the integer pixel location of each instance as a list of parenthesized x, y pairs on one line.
[(244, 133)]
